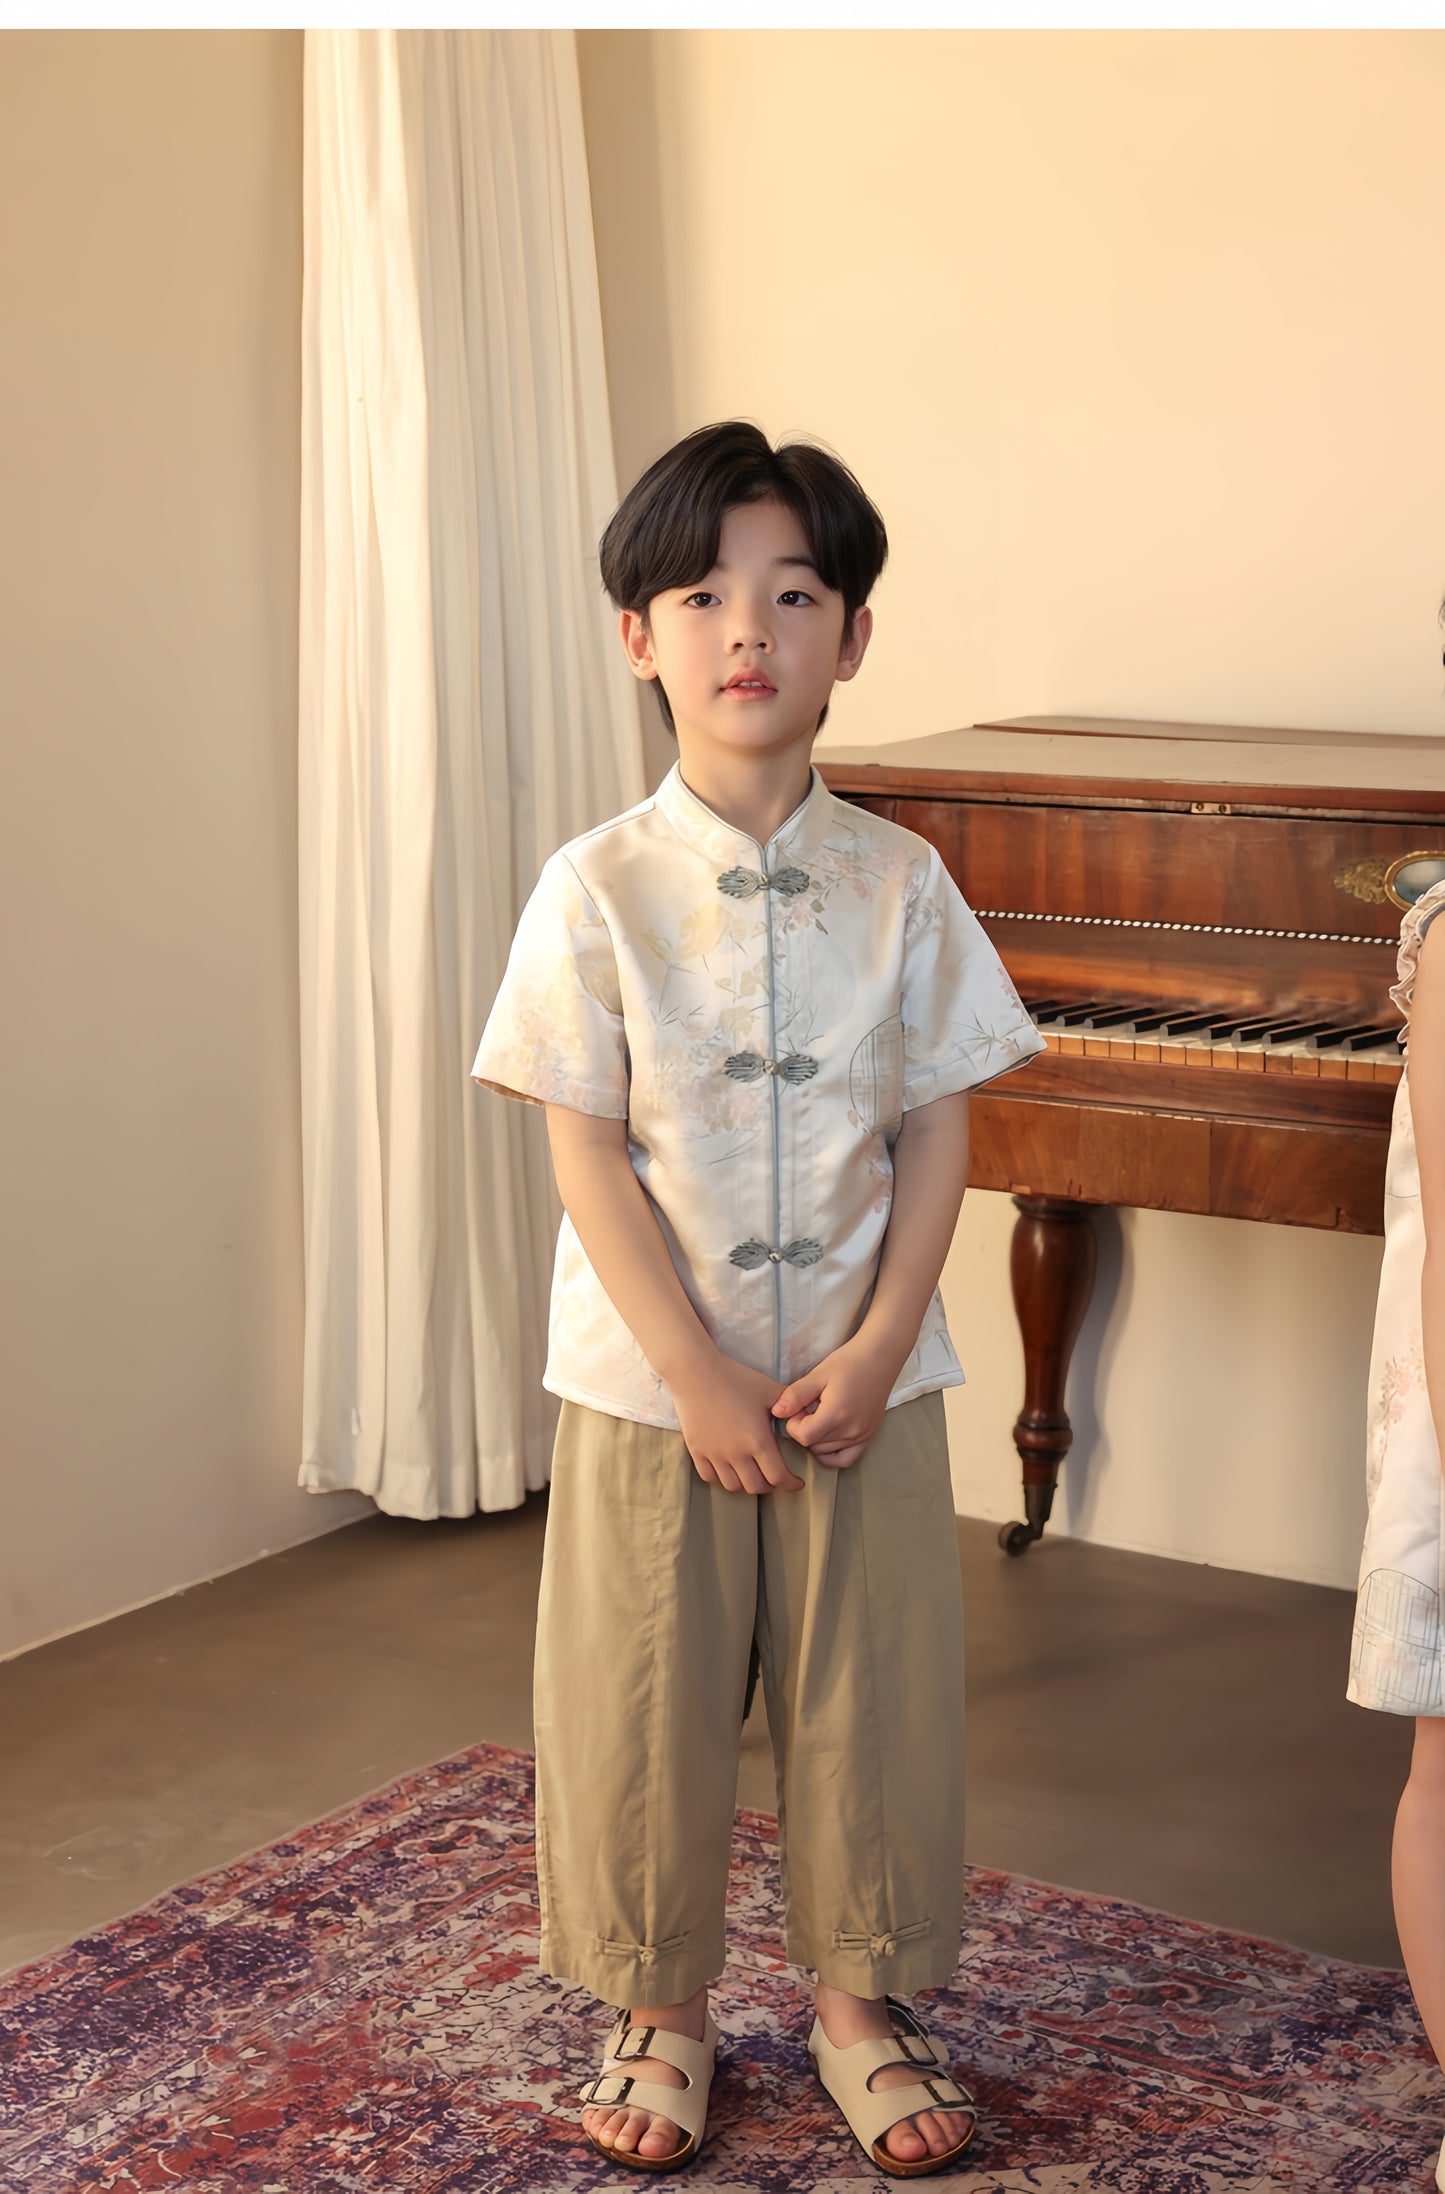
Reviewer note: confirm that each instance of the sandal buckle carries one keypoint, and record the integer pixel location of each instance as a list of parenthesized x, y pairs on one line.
[(623, 2084), (958, 2100), (627, 2049)]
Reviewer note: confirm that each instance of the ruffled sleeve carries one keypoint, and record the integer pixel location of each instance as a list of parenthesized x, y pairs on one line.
[(1412, 936)]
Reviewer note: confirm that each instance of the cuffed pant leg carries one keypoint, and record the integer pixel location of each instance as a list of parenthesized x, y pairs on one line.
[(644, 1624), (861, 1628)]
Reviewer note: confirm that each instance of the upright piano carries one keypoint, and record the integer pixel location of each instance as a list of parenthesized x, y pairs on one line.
[(1202, 921)]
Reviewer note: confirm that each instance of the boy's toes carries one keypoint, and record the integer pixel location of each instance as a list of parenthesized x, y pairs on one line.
[(935, 2131), (662, 2138), (630, 2126), (644, 2135), (941, 2129), (931, 2133), (905, 2142)]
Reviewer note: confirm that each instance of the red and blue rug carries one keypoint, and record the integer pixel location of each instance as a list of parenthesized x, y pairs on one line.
[(358, 2009)]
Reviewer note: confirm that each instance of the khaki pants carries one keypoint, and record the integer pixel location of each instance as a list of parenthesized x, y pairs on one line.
[(653, 1586)]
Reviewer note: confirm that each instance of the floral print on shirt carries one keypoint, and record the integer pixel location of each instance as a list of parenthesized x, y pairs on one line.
[(763, 1018)]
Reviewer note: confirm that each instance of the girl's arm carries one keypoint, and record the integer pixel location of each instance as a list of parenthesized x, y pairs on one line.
[(1427, 1109), (722, 1406), (836, 1408)]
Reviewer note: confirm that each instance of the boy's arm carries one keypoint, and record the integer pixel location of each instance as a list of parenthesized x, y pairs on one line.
[(836, 1408), (722, 1406), (1427, 1109)]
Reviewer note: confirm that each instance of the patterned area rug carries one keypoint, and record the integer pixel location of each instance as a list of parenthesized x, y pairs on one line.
[(358, 2009)]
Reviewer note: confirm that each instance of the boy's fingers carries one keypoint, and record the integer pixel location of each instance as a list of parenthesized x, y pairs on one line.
[(802, 1394), (777, 1473), (816, 1429), (749, 1478), (838, 1458)]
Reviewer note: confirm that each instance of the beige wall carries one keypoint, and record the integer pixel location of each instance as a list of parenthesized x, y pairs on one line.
[(1137, 339), (150, 265)]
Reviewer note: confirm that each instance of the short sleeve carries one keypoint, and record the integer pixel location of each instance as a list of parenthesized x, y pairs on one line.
[(1416, 921), (555, 1033), (964, 1024)]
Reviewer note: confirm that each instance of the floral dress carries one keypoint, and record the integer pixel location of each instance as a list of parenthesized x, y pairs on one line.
[(1397, 1661)]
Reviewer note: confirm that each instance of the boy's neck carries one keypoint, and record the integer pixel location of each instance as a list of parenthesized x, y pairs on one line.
[(755, 794)]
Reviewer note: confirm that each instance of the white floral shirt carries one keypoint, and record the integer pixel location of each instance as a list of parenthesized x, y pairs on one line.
[(762, 1017)]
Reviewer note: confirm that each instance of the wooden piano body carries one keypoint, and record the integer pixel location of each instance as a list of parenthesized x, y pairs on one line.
[(1135, 877)]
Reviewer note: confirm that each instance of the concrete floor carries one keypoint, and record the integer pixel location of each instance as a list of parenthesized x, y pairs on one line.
[(1145, 1728)]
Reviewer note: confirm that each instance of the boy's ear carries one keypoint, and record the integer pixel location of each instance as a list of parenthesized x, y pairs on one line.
[(637, 644), (855, 644)]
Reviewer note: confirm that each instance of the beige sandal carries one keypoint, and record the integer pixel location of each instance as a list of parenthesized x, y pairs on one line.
[(686, 2106), (871, 2114)]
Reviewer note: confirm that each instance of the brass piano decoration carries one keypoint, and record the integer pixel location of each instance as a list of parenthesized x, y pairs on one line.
[(1202, 921)]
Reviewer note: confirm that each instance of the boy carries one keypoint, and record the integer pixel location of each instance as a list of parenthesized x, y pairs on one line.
[(752, 1012)]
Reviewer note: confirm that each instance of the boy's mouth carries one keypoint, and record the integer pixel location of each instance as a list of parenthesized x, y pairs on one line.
[(749, 681)]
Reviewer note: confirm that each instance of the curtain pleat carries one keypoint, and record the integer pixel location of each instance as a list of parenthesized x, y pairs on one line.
[(464, 710)]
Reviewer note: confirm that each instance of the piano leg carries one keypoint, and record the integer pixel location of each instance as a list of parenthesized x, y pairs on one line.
[(1051, 1264)]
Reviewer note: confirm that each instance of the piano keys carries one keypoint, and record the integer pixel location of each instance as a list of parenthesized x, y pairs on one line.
[(1202, 921)]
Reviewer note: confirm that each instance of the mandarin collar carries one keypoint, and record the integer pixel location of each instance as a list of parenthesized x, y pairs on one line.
[(698, 826)]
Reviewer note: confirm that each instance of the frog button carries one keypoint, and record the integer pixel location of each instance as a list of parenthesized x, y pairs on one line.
[(741, 883), (748, 1066), (790, 882), (749, 1255)]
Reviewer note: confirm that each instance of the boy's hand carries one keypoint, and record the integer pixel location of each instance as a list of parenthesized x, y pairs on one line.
[(835, 1409), (722, 1407)]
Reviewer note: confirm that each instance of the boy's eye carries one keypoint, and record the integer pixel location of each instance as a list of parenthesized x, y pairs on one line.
[(699, 600), (792, 597)]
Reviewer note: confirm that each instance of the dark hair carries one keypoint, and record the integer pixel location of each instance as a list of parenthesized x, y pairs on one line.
[(666, 530)]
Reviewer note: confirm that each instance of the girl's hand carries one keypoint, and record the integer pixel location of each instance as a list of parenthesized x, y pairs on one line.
[(722, 1407), (835, 1409)]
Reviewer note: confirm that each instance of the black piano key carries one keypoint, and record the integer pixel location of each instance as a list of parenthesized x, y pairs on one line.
[(1251, 1032), (1115, 1020), (1361, 1037), (1187, 1024), (1297, 1032), (1216, 1024), (1333, 1034), (1039, 1009), (1076, 1016), (1224, 1027), (1225, 1032)]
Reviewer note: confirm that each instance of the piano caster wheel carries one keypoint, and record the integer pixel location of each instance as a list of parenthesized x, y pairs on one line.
[(1016, 1538)]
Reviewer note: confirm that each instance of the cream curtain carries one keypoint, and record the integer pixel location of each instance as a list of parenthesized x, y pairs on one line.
[(463, 711)]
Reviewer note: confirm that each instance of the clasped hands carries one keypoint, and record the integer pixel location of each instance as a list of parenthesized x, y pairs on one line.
[(730, 1414)]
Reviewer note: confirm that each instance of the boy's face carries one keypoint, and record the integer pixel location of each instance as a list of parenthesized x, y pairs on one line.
[(749, 654)]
